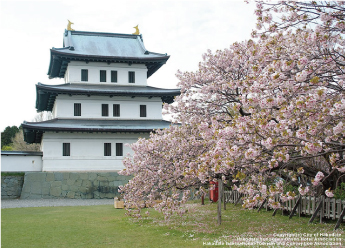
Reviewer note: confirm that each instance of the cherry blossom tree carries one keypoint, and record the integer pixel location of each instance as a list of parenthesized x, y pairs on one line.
[(324, 22), (259, 115)]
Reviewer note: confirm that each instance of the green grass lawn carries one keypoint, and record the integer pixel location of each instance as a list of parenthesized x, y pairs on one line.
[(104, 226)]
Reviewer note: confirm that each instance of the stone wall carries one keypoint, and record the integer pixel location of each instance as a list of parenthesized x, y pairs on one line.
[(77, 185), (11, 186)]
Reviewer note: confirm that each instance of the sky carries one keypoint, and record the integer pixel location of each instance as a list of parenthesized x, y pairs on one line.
[(183, 29)]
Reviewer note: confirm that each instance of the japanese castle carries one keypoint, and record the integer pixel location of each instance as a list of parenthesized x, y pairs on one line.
[(104, 103)]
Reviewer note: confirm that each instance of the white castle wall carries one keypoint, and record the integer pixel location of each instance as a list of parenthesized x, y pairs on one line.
[(73, 72), (91, 107), (86, 151), (20, 163)]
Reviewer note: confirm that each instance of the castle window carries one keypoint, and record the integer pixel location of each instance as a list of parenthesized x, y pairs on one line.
[(77, 109), (103, 76), (107, 149), (114, 76), (84, 75), (66, 149), (131, 77), (119, 149), (116, 110), (142, 110), (105, 110)]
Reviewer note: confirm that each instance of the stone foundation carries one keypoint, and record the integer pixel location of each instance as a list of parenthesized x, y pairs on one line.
[(74, 185), (11, 186)]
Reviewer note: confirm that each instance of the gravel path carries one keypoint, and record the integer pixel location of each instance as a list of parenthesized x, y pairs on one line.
[(17, 203)]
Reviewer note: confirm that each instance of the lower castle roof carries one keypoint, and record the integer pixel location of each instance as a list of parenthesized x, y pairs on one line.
[(33, 131)]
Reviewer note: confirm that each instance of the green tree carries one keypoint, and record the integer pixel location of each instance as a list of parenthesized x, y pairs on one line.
[(8, 134), (7, 148)]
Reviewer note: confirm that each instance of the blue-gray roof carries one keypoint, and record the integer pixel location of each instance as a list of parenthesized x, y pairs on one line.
[(21, 153), (106, 44), (46, 94), (33, 130), (103, 47)]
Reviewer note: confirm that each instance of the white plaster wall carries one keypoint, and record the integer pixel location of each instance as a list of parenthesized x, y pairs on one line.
[(20, 163), (86, 151), (73, 73), (91, 107), (54, 110)]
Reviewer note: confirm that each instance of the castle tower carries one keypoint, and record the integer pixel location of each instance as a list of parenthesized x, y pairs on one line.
[(104, 103)]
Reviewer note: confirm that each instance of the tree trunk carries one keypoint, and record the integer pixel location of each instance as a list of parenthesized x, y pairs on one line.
[(220, 193)]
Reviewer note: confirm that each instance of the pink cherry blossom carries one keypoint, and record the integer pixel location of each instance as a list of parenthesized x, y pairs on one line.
[(329, 193), (253, 114), (303, 190)]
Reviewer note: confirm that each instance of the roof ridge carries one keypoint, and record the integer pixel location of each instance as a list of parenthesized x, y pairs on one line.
[(105, 86), (46, 121), (50, 85), (62, 48), (92, 33)]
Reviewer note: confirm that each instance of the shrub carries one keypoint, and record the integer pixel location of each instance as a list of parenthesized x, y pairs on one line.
[(339, 192), (291, 188)]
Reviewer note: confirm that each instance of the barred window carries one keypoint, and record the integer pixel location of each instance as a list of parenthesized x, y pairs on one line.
[(131, 77), (119, 149), (142, 110), (105, 110), (107, 149), (114, 76), (66, 149), (77, 109), (116, 110), (84, 75), (103, 76)]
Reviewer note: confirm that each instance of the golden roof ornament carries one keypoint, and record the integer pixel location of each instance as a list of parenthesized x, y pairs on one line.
[(69, 25), (136, 30)]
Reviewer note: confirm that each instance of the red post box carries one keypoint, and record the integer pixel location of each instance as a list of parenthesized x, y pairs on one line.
[(214, 192)]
